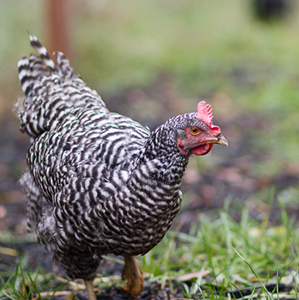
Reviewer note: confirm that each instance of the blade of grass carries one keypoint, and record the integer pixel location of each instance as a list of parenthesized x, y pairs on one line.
[(224, 219), (34, 285), (277, 285), (231, 283), (255, 274), (295, 285)]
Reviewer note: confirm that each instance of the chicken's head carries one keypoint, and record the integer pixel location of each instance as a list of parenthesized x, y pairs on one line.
[(200, 134)]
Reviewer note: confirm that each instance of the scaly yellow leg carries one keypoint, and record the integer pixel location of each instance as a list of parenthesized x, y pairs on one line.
[(89, 289), (133, 273)]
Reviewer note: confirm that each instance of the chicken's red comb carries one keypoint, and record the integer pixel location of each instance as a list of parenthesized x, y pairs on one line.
[(205, 114)]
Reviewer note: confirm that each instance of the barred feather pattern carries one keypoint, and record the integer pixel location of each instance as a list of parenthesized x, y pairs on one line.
[(97, 182)]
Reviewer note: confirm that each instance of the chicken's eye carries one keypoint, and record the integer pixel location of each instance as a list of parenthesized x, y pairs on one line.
[(194, 130)]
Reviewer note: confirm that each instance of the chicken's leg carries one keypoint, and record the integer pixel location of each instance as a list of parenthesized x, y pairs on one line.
[(133, 273), (89, 289)]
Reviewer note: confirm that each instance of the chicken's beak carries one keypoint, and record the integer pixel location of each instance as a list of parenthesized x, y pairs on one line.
[(217, 139), (221, 140)]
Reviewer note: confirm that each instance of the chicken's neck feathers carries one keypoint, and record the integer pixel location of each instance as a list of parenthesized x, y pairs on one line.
[(160, 158)]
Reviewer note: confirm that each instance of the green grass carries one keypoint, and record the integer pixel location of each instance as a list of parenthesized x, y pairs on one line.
[(24, 284), (237, 255), (212, 245), (225, 256)]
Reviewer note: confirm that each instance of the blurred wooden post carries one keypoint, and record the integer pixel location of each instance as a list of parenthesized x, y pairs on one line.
[(58, 25)]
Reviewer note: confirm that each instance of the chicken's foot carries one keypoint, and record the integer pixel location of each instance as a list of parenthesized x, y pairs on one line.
[(89, 289), (133, 273)]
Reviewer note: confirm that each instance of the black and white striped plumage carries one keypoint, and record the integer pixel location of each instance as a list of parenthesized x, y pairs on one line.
[(98, 182)]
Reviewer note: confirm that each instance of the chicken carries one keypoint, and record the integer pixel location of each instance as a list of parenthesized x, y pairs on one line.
[(98, 182)]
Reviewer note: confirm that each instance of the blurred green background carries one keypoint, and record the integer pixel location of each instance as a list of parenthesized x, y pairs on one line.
[(153, 59), (205, 47)]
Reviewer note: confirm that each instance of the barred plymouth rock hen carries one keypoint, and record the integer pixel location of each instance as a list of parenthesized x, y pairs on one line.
[(99, 182)]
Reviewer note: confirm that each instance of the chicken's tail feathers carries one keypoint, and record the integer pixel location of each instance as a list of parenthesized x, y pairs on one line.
[(51, 90), (36, 44), (30, 69)]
